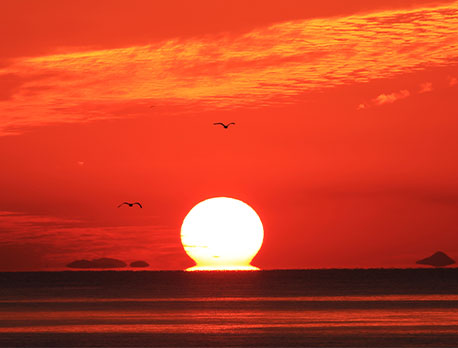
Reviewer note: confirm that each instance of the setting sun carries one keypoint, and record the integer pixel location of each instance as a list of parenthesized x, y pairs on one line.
[(222, 234)]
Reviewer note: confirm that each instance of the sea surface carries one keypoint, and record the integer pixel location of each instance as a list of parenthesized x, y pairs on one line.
[(287, 308)]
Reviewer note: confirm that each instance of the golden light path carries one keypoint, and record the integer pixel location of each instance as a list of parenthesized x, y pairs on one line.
[(222, 234)]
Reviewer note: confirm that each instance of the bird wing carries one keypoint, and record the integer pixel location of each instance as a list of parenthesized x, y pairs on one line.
[(230, 123), (138, 204), (122, 204), (222, 124)]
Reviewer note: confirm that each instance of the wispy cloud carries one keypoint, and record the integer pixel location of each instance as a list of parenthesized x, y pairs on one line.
[(391, 97), (58, 241), (264, 66), (12, 220), (426, 87)]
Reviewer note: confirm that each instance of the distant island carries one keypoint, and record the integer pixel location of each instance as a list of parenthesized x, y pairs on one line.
[(139, 264), (97, 263), (438, 259), (106, 262)]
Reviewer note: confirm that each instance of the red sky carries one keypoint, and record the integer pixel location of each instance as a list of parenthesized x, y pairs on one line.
[(345, 140)]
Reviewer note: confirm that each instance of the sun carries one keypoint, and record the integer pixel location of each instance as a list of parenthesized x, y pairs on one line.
[(222, 234)]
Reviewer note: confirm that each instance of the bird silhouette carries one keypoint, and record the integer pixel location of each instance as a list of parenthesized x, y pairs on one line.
[(130, 204), (224, 125)]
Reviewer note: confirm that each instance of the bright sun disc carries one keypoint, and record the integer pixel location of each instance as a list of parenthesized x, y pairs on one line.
[(222, 234)]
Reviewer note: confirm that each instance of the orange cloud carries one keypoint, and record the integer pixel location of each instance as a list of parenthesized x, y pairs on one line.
[(391, 98), (261, 67), (426, 87)]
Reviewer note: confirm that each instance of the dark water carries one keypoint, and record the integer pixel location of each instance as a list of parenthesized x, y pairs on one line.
[(330, 308)]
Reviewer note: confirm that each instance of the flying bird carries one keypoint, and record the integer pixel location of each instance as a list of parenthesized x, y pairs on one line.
[(224, 125), (130, 204)]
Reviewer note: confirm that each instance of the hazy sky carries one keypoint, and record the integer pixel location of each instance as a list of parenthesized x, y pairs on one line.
[(345, 140)]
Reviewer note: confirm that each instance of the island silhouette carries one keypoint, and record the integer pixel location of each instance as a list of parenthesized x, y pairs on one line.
[(438, 259), (139, 264)]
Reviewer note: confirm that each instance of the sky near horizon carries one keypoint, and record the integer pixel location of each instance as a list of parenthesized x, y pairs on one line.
[(345, 140)]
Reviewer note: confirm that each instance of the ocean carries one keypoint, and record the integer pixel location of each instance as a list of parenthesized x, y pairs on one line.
[(279, 308)]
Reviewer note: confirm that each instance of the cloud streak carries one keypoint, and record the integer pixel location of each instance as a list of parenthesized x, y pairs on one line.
[(426, 87), (263, 67), (58, 241), (391, 97)]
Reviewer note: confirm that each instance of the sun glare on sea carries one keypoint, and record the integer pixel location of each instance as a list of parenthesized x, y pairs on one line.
[(222, 234)]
